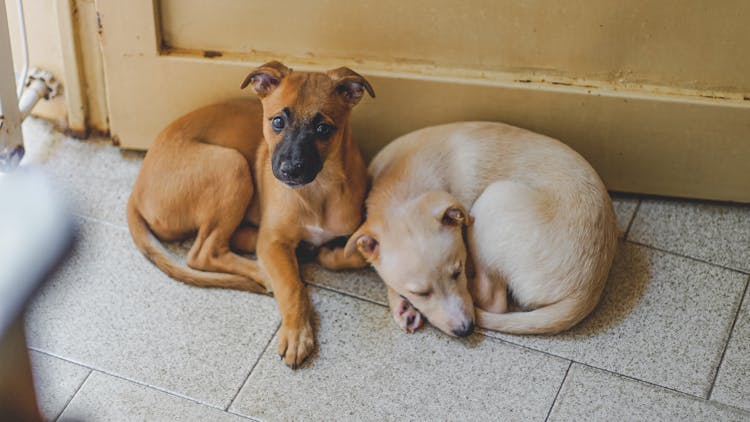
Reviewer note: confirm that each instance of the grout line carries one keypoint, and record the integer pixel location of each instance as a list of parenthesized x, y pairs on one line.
[(257, 361), (592, 366), (689, 257), (672, 390), (632, 378), (96, 220), (74, 395), (565, 377), (632, 219), (351, 295), (729, 338), (143, 384)]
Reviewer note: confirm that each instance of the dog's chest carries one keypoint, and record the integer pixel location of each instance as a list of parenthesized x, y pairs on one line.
[(318, 235)]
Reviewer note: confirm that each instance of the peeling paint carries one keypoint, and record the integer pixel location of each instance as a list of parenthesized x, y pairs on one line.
[(211, 54)]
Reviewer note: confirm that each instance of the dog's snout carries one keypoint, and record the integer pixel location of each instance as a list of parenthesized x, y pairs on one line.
[(464, 330), (291, 169)]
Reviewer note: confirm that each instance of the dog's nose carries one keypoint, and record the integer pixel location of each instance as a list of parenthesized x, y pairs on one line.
[(291, 169), (464, 330)]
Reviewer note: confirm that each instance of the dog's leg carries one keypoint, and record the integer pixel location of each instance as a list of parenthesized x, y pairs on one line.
[(336, 259), (210, 252), (245, 239), (488, 294), (408, 318), (296, 337)]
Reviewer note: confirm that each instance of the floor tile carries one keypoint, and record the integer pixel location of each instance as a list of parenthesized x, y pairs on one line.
[(715, 233), (110, 309), (733, 382), (663, 319), (107, 398), (624, 208), (97, 175), (592, 395), (56, 381), (367, 369), (364, 283)]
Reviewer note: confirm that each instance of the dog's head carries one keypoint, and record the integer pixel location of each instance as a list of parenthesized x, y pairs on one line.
[(305, 116), (419, 251)]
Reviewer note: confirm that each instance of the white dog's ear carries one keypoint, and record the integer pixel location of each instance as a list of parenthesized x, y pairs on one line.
[(456, 215), (446, 209), (266, 78), (365, 242)]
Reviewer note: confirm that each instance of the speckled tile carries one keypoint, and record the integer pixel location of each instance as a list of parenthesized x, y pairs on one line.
[(55, 381), (733, 382), (592, 395), (107, 398), (364, 283), (97, 175), (111, 309), (715, 233), (662, 319), (367, 369), (624, 208)]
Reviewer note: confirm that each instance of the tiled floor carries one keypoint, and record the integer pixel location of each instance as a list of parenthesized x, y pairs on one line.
[(112, 338)]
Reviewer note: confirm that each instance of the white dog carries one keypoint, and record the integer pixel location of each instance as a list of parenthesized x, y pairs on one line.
[(541, 228)]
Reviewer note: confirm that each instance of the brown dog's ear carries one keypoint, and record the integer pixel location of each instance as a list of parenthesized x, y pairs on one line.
[(364, 241), (350, 84), (266, 78)]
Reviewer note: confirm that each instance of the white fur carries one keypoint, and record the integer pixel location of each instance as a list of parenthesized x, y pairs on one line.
[(543, 227)]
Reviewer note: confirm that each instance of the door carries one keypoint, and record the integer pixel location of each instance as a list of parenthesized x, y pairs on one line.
[(11, 138), (655, 95)]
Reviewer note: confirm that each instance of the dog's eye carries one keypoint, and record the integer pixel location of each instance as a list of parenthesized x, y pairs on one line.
[(457, 272), (323, 129), (423, 294), (277, 123)]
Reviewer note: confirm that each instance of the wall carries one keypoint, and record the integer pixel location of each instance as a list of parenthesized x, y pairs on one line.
[(63, 38)]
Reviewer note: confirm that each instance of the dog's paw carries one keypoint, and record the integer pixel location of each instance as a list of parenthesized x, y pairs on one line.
[(408, 318), (296, 344)]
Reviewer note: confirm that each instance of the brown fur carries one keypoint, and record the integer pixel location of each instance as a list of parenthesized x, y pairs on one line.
[(209, 172)]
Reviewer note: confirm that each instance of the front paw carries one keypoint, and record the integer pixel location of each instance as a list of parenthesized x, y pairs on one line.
[(296, 343), (406, 316)]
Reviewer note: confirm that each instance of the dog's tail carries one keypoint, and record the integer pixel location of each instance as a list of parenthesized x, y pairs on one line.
[(156, 253), (550, 319)]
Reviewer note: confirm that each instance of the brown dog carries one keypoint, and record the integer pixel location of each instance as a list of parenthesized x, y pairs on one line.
[(286, 167)]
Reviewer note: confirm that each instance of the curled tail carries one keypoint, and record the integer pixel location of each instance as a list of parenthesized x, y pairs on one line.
[(550, 319), (156, 253)]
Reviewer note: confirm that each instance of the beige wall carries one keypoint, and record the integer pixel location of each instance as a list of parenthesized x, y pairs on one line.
[(66, 44), (44, 49), (694, 47)]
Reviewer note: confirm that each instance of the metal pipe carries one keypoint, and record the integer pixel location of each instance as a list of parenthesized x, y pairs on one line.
[(35, 91), (24, 48)]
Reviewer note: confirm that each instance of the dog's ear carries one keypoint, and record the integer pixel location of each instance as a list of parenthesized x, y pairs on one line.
[(446, 209), (266, 78), (456, 215), (350, 85), (365, 242)]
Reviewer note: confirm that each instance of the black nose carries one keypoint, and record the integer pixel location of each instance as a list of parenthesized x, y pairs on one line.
[(464, 330), (291, 170)]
